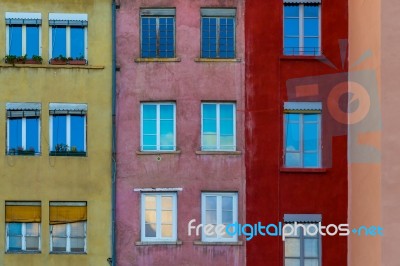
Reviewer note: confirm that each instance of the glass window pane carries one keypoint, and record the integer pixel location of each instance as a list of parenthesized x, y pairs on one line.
[(150, 126), (150, 202), (311, 262), (166, 111), (15, 243), (77, 42), (166, 217), (226, 127), (209, 111), (59, 244), (78, 132), (311, 160), (32, 229), (32, 133), (310, 136), (166, 230), (226, 143), (292, 247), (15, 133), (211, 203), (59, 230), (311, 247), (78, 229), (311, 10), (227, 217), (32, 242), (150, 230), (59, 41), (209, 126), (15, 40), (59, 130), (167, 128), (311, 46), (149, 111), (291, 46), (226, 111), (209, 142), (291, 11), (291, 26), (166, 203), (292, 137), (32, 40), (311, 117), (149, 142), (150, 216), (77, 244), (293, 160), (211, 217), (292, 262), (14, 229), (227, 203), (311, 27)]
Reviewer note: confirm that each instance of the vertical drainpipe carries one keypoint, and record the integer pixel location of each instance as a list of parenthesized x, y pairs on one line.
[(113, 156)]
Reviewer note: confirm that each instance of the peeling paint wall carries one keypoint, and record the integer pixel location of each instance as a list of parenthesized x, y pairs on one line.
[(188, 83)]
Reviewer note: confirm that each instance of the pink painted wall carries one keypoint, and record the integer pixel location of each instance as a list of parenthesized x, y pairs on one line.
[(188, 83)]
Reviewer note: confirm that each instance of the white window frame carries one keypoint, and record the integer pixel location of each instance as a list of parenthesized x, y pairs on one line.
[(23, 134), (303, 219), (68, 239), (219, 196), (68, 33), (158, 237), (158, 120), (23, 239), (301, 31), (68, 131), (24, 16), (218, 148)]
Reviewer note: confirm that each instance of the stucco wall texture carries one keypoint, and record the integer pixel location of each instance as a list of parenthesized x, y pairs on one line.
[(45, 178), (187, 83)]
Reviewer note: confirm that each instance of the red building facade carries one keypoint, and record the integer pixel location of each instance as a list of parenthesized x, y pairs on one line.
[(292, 79)]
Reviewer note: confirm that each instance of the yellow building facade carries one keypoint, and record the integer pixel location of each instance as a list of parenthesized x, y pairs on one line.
[(55, 132)]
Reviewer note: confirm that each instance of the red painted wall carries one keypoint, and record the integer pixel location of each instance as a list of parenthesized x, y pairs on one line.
[(271, 193)]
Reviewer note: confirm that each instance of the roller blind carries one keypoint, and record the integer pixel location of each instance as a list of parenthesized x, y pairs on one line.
[(18, 212), (67, 213)]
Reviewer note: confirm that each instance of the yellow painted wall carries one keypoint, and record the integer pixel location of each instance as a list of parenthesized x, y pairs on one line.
[(47, 178)]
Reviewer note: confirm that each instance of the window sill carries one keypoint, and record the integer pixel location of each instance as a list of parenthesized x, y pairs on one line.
[(152, 243), (68, 153), (209, 60), (24, 252), (67, 253), (302, 57), (23, 153), (157, 152), (201, 243), (218, 152), (303, 170), (155, 60), (51, 66)]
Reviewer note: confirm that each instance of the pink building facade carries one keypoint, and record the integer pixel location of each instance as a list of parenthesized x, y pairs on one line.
[(180, 131)]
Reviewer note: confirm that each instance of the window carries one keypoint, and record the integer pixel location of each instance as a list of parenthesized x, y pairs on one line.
[(157, 33), (218, 208), (218, 128), (23, 128), (159, 217), (68, 128), (302, 127), (23, 226), (158, 127), (303, 247), (218, 33), (23, 34), (302, 34), (68, 227), (68, 35)]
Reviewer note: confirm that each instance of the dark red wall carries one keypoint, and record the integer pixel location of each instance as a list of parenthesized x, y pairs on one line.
[(271, 192)]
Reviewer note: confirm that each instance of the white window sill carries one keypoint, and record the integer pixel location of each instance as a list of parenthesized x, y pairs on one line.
[(209, 60), (152, 243), (157, 152), (201, 243), (218, 152), (156, 59)]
